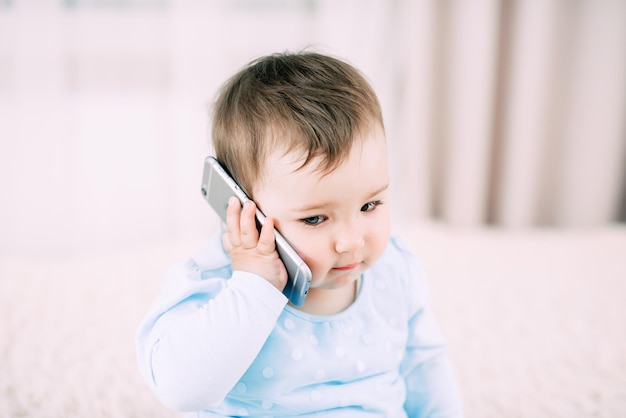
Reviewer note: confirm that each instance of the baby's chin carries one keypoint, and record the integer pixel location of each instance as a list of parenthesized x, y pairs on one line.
[(337, 280)]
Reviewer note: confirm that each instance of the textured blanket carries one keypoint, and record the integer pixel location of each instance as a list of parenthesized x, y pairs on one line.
[(536, 322)]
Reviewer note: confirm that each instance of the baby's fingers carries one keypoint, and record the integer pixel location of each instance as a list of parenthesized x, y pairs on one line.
[(249, 234), (267, 243), (232, 221)]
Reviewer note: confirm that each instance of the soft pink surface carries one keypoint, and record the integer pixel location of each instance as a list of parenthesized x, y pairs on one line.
[(536, 322)]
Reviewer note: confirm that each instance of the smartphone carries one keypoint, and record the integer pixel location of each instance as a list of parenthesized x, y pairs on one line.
[(217, 187)]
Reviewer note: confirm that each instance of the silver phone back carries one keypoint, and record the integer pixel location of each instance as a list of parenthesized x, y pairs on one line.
[(217, 187)]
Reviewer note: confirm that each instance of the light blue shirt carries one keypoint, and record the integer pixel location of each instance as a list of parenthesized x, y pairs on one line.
[(227, 344)]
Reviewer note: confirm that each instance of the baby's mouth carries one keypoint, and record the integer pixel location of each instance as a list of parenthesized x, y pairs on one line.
[(347, 267)]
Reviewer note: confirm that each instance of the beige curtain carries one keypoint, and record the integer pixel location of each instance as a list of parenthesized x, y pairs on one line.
[(505, 112), (511, 112)]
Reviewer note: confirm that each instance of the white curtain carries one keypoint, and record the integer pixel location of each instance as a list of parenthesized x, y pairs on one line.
[(516, 111), (504, 112)]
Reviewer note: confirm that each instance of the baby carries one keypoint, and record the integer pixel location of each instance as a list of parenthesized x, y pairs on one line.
[(303, 135)]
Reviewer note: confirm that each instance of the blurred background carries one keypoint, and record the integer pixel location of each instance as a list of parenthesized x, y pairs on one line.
[(508, 113), (506, 124)]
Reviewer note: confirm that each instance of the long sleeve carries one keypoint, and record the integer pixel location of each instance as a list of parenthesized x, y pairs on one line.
[(205, 330), (432, 389)]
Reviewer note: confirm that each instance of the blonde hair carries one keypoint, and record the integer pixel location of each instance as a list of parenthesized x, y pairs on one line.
[(305, 102)]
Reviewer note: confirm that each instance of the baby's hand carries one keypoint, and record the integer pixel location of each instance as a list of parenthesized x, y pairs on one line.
[(249, 251)]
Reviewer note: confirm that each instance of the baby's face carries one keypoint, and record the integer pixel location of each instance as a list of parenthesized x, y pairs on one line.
[(337, 222)]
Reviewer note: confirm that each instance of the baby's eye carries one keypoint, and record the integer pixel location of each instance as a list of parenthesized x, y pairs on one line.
[(370, 206), (314, 220)]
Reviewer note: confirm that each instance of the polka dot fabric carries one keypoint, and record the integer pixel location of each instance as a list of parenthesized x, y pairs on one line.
[(227, 344), (348, 364)]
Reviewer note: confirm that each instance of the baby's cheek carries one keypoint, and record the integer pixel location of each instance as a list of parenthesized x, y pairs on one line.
[(314, 263), (311, 252), (320, 258), (379, 239)]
